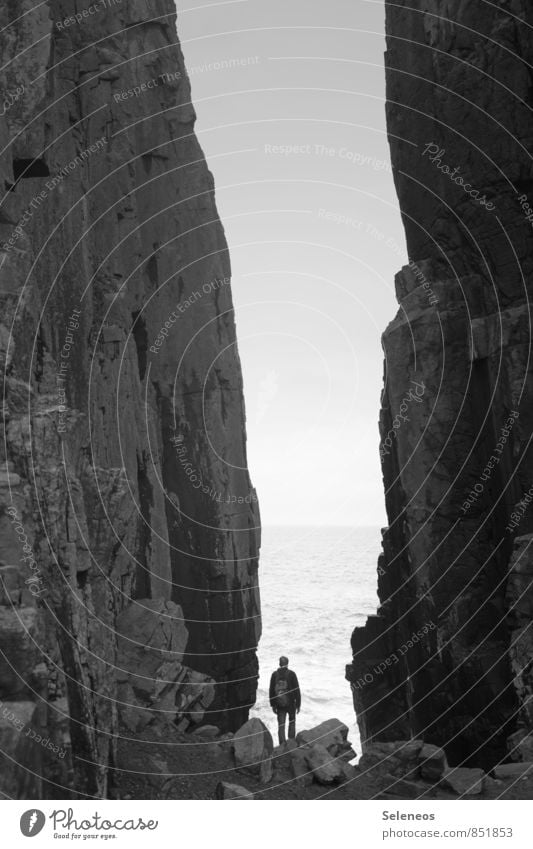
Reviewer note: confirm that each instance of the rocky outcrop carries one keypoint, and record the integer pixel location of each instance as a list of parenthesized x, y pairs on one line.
[(415, 769), (153, 683), (319, 754), (124, 489), (447, 658)]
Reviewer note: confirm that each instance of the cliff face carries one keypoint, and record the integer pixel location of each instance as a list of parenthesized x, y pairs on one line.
[(448, 655), (129, 527)]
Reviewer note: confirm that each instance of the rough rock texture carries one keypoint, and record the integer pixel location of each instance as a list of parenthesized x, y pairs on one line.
[(331, 734), (325, 768), (253, 748), (519, 598), (513, 771), (464, 782), (299, 769), (153, 683), (123, 411), (456, 458), (433, 762), (406, 758), (225, 790)]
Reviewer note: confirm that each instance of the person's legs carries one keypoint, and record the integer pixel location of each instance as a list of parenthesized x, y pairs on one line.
[(282, 716), (292, 724)]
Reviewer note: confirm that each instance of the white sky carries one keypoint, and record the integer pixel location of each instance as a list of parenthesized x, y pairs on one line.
[(312, 292)]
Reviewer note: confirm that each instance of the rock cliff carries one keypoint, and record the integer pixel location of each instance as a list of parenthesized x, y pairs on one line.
[(128, 524), (448, 656)]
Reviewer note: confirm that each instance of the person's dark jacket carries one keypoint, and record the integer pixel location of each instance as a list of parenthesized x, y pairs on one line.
[(295, 698)]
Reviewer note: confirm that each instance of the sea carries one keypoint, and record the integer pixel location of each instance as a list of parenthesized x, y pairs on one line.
[(316, 585)]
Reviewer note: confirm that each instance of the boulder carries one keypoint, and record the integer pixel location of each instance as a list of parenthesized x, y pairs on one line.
[(491, 785), (411, 759), (506, 772), (463, 781), (266, 771), (433, 763), (331, 734), (380, 758), (520, 743), (253, 747), (225, 790), (403, 788), (399, 758), (209, 732), (300, 769), (325, 768)]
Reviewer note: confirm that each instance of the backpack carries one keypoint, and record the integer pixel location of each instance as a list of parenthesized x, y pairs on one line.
[(281, 689)]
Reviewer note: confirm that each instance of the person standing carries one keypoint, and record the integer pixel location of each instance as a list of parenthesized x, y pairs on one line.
[(285, 698)]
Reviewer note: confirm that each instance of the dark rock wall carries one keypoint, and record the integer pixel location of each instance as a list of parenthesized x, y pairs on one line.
[(448, 655), (124, 447)]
